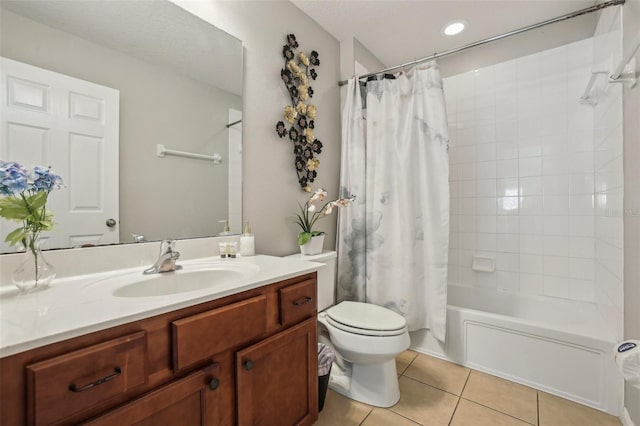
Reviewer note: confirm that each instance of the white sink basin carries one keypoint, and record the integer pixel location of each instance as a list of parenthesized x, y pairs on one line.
[(192, 277)]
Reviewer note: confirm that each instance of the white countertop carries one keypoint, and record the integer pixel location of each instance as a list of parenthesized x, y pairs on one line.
[(74, 306)]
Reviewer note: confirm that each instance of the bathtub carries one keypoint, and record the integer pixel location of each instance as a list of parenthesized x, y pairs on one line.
[(554, 345)]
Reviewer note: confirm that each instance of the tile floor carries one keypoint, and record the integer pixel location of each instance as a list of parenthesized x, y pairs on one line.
[(435, 392)]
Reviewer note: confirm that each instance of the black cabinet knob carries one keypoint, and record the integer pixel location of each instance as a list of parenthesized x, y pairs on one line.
[(248, 364), (214, 383)]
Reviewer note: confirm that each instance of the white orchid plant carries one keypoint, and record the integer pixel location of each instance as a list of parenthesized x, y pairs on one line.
[(310, 213)]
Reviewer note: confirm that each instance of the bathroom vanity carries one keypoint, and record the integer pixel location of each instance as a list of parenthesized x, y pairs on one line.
[(239, 354)]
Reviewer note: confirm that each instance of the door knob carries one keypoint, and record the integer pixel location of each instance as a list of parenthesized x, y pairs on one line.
[(111, 223), (248, 364), (214, 383)]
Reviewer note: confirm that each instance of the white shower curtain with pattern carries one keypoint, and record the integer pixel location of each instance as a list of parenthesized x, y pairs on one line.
[(393, 241)]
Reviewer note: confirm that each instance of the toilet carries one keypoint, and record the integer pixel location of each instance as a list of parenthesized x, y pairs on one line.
[(365, 337)]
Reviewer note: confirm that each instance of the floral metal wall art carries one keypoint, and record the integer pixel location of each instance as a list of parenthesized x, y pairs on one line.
[(299, 117)]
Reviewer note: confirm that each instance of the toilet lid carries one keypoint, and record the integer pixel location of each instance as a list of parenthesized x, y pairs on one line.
[(365, 318)]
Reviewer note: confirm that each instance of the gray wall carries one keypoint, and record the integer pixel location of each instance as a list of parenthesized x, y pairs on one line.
[(270, 183), (159, 197), (631, 99)]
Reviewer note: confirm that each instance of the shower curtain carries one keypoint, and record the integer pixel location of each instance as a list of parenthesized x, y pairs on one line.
[(393, 241)]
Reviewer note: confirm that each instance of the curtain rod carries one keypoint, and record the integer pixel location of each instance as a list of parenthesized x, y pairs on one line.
[(497, 37)]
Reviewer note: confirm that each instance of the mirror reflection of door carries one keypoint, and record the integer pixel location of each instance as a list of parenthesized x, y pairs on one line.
[(72, 125)]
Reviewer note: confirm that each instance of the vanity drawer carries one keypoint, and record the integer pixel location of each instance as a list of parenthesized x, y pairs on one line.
[(201, 336), (68, 384), (297, 302)]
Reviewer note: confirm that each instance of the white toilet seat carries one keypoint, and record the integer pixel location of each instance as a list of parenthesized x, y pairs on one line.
[(366, 319)]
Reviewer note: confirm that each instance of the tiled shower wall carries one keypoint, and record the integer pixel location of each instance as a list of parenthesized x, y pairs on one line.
[(608, 130), (522, 174)]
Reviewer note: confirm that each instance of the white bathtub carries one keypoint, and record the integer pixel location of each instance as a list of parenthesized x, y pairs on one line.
[(555, 345)]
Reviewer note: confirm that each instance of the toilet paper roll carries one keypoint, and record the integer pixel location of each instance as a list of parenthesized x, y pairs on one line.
[(627, 356)]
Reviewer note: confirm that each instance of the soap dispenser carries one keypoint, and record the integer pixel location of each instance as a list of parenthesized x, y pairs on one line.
[(247, 241), (225, 230)]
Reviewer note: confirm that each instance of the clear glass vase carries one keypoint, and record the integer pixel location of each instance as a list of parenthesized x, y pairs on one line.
[(34, 272)]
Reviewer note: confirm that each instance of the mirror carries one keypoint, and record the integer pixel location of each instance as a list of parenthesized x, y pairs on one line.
[(147, 85)]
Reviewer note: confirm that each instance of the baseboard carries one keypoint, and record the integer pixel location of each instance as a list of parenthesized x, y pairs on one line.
[(626, 418)]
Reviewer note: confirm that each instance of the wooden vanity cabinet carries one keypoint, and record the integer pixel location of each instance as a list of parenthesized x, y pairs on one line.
[(248, 358)]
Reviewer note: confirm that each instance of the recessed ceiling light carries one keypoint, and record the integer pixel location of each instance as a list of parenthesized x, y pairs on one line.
[(454, 27)]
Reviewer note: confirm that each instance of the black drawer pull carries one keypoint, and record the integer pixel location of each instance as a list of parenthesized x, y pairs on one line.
[(302, 301), (116, 373), (248, 365)]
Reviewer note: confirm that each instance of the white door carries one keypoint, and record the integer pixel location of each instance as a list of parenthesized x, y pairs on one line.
[(72, 125)]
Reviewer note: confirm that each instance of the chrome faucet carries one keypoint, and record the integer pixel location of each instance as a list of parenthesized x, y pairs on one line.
[(166, 260)]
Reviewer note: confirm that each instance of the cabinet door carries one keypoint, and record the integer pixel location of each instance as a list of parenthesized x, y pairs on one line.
[(191, 401), (277, 379)]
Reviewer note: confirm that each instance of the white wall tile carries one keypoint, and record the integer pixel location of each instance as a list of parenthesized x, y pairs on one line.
[(531, 244), (531, 264), (467, 171), (532, 225), (508, 224), (531, 205), (531, 283), (530, 166), (507, 187), (556, 286), (556, 225), (508, 243), (530, 185), (582, 247), (466, 223), (486, 280), (582, 226), (554, 165), (556, 185), (466, 188), (486, 187), (467, 240), (486, 152), (582, 290), (507, 205), (556, 245), (509, 262), (486, 170), (486, 242), (557, 266), (556, 204), (508, 281), (581, 183), (507, 168), (506, 150), (488, 224), (467, 206), (486, 205), (582, 269)]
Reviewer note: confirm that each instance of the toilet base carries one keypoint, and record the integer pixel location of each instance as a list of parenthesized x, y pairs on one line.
[(373, 384)]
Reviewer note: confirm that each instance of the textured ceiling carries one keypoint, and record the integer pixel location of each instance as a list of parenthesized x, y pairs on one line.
[(153, 30), (398, 31)]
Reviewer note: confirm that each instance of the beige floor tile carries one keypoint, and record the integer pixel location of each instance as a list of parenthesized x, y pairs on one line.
[(424, 404), (507, 397), (471, 414), (438, 373), (403, 360), (339, 410), (383, 417), (555, 411)]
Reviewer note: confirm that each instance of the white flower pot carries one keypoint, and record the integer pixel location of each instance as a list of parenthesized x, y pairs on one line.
[(313, 246)]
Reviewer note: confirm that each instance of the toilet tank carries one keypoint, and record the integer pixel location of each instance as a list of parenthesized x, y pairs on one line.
[(326, 276)]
